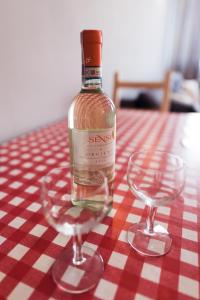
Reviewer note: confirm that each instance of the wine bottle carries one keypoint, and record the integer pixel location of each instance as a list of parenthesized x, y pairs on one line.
[(92, 122)]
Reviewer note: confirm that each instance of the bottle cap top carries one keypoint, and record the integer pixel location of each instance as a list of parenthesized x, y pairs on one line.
[(91, 37)]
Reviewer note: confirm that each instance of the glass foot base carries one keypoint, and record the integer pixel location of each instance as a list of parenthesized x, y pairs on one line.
[(78, 278), (156, 244)]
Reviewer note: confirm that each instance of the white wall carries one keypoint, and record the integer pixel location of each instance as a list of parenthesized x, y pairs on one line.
[(40, 53)]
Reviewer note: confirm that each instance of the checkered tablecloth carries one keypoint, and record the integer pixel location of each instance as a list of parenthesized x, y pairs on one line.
[(29, 246)]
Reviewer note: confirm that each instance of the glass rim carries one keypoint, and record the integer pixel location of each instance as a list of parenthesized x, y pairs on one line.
[(180, 165), (69, 167)]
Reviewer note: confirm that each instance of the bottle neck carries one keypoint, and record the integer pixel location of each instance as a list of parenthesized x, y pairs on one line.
[(91, 66)]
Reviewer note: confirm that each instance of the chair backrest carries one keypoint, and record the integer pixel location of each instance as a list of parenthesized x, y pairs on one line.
[(160, 85)]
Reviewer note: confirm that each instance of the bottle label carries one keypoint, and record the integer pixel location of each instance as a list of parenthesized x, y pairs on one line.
[(93, 148), (92, 72)]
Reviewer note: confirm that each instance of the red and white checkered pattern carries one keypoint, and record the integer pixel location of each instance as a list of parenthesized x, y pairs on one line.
[(29, 246)]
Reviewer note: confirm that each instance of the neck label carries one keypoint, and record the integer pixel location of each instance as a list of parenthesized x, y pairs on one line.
[(91, 76), (92, 72)]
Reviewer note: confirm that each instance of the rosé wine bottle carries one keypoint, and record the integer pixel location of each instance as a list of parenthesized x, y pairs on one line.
[(92, 124)]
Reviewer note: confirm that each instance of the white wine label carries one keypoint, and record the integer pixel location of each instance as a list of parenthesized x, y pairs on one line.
[(93, 148)]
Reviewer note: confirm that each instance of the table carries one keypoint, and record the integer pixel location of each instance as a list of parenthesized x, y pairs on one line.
[(28, 246)]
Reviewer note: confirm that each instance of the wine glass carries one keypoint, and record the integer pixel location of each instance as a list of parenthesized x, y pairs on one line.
[(74, 211), (157, 178)]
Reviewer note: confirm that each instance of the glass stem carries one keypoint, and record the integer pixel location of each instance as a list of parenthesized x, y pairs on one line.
[(150, 219), (78, 258)]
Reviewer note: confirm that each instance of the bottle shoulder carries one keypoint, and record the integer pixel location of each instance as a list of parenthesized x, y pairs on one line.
[(100, 101), (95, 93), (89, 110)]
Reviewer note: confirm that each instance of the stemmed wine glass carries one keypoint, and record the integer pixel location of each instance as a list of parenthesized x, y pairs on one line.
[(73, 212), (157, 178)]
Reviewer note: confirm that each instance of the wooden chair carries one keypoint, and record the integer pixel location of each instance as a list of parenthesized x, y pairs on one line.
[(160, 85)]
